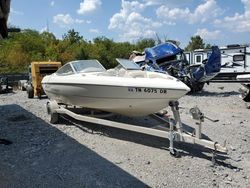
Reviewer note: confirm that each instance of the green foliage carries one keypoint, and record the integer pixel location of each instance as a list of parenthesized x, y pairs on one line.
[(195, 43), (208, 46), (72, 36), (145, 43), (20, 49)]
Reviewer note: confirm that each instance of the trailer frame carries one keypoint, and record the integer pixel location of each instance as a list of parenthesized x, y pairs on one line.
[(172, 129)]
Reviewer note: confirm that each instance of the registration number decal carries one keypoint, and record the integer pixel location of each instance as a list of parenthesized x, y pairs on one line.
[(147, 90)]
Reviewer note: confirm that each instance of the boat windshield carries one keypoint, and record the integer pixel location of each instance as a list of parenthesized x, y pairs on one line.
[(128, 65), (65, 70), (87, 66)]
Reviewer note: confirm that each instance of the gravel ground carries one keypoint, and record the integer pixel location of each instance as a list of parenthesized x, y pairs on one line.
[(74, 154)]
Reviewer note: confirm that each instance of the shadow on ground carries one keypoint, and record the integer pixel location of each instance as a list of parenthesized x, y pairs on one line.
[(215, 94), (43, 156)]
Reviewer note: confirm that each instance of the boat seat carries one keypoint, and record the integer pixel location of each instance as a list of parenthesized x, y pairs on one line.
[(110, 72), (155, 76), (122, 72), (138, 74)]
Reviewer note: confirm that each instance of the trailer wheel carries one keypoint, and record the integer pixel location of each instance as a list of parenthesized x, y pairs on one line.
[(245, 92), (195, 86), (54, 118), (39, 95), (51, 110), (198, 86), (30, 92), (247, 97), (21, 84)]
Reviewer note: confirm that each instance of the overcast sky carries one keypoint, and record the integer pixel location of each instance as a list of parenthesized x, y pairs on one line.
[(219, 22)]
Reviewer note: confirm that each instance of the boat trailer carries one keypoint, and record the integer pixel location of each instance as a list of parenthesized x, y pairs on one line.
[(170, 128)]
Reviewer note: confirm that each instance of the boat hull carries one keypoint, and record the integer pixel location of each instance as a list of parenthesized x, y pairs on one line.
[(131, 93), (128, 100)]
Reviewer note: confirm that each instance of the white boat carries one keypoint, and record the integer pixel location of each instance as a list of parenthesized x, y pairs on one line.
[(125, 90)]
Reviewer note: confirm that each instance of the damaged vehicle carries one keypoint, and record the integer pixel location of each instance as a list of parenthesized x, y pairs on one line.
[(169, 58)]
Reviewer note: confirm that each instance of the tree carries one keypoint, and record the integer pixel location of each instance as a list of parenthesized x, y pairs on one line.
[(145, 43), (20, 49), (82, 53), (195, 43), (48, 37), (208, 46), (32, 43), (72, 36)]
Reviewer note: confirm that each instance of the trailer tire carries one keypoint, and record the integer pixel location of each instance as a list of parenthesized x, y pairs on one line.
[(21, 84), (54, 118), (51, 110), (245, 93), (30, 92), (51, 107), (195, 86), (39, 95), (247, 97), (198, 86)]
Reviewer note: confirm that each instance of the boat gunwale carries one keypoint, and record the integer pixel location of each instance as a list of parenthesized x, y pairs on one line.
[(90, 84)]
